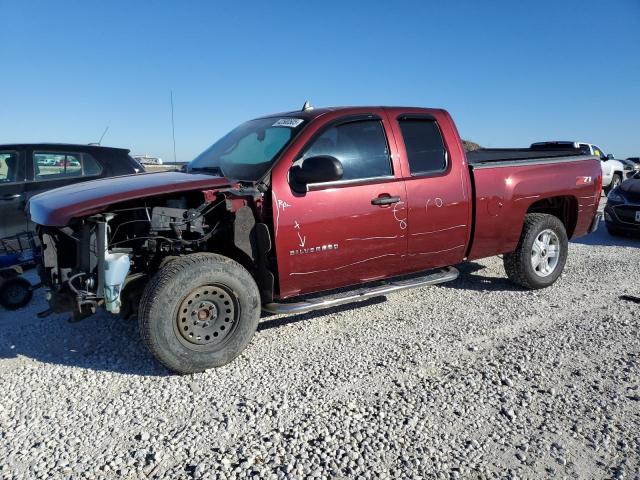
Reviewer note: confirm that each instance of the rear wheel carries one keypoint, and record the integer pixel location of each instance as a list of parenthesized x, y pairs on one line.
[(541, 253), (199, 311)]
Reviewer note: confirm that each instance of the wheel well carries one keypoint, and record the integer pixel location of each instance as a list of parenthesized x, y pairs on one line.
[(564, 207)]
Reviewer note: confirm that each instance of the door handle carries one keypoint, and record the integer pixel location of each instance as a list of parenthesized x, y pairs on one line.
[(11, 196), (385, 199)]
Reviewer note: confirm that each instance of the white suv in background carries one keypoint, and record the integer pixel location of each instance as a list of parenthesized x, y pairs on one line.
[(613, 171)]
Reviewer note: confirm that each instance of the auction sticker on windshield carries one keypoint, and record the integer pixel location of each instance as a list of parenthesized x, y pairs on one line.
[(288, 122)]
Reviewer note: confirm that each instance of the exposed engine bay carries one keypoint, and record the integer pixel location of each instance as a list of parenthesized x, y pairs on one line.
[(107, 259)]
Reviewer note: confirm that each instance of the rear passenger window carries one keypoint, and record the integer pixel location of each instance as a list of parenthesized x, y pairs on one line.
[(361, 147), (58, 165), (424, 145)]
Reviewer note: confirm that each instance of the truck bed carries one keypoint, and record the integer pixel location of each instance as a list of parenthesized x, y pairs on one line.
[(491, 156), (509, 183)]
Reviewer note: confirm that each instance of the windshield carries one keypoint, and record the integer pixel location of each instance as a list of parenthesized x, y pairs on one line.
[(248, 151)]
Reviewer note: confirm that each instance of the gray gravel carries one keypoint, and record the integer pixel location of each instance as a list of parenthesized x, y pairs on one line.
[(474, 379)]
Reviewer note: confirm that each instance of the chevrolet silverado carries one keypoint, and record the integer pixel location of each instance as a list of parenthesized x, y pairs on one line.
[(305, 210)]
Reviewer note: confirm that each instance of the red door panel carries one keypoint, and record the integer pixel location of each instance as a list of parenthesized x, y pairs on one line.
[(438, 221), (439, 204), (336, 237), (345, 232)]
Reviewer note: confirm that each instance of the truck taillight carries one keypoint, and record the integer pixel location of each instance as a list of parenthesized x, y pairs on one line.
[(598, 191)]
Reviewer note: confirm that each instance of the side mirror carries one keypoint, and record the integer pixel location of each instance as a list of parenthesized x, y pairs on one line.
[(610, 156), (319, 169)]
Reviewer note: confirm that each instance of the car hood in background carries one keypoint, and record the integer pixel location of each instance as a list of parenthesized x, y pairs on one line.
[(631, 189), (57, 207)]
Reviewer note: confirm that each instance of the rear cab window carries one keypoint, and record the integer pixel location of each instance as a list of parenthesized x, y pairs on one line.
[(360, 146), (50, 165), (584, 148), (426, 152)]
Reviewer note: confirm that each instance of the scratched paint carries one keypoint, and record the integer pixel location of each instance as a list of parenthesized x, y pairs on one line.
[(438, 202), (344, 266), (371, 238), (301, 237), (525, 198), (438, 251), (281, 205), (275, 201), (440, 230), (402, 222)]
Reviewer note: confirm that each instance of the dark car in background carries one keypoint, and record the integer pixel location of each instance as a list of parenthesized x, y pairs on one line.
[(28, 169), (635, 160), (630, 167), (622, 213)]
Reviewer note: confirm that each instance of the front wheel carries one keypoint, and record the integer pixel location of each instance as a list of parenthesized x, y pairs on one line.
[(541, 253), (199, 311)]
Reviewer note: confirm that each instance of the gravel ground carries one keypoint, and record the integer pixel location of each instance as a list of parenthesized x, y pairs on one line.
[(473, 379)]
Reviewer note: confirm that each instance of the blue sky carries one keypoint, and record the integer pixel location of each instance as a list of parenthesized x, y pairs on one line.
[(510, 72)]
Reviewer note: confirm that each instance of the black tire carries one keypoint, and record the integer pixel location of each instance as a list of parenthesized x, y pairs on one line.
[(518, 264), (15, 293), (615, 181), (168, 319)]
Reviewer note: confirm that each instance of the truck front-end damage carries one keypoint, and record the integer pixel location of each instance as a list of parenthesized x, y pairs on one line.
[(81, 270), (107, 258)]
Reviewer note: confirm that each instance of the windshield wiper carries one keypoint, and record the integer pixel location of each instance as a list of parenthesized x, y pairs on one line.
[(212, 170)]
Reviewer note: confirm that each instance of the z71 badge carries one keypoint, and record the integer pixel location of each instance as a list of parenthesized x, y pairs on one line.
[(322, 248)]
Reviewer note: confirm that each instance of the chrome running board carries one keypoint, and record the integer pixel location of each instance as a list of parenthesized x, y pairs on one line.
[(441, 276)]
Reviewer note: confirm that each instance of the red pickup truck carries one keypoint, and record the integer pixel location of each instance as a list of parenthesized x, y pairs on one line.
[(298, 203)]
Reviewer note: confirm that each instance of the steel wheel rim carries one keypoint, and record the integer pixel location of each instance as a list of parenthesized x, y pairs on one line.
[(545, 253), (206, 317)]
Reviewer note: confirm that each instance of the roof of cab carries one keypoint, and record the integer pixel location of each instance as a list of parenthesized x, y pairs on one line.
[(313, 112)]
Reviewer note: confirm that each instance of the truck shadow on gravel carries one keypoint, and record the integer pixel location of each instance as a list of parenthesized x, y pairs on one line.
[(602, 238), (103, 343), (107, 343), (469, 279), (268, 321)]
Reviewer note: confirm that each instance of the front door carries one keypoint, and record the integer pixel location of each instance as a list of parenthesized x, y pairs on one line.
[(12, 201), (344, 232)]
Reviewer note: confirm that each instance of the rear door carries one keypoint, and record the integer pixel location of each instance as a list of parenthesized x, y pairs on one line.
[(345, 232), (438, 190), (12, 199)]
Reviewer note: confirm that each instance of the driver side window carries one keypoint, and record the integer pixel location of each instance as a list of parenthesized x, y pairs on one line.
[(360, 146)]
